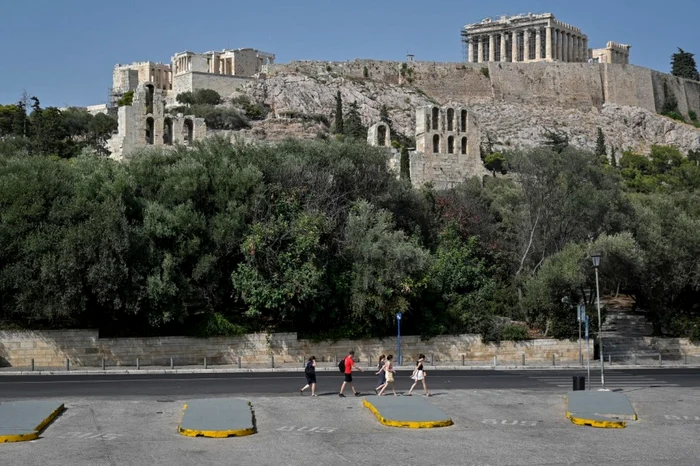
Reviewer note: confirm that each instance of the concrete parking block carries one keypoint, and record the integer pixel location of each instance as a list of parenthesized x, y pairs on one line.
[(217, 418), (21, 421), (412, 412), (599, 409)]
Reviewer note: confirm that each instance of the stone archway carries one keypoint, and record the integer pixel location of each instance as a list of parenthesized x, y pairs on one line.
[(436, 144), (149, 130), (168, 132)]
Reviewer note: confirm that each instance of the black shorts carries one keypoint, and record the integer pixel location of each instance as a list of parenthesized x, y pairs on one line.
[(348, 378), (310, 378)]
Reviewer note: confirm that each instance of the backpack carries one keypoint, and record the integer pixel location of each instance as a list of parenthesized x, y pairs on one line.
[(341, 365)]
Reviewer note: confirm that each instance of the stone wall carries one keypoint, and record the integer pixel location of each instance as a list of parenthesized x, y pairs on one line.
[(225, 85), (85, 348), (569, 85)]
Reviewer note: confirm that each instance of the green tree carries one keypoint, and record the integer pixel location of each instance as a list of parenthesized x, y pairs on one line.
[(354, 128), (556, 140), (683, 65), (126, 99), (496, 162), (600, 149), (339, 127)]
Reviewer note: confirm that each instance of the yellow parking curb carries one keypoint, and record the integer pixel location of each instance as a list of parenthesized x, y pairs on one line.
[(213, 433), (37, 430), (407, 424), (608, 424)]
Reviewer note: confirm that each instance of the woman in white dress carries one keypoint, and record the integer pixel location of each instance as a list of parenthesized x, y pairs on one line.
[(389, 371), (419, 376)]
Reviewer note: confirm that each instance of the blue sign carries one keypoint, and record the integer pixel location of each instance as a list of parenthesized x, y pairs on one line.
[(586, 328), (398, 316), (581, 312)]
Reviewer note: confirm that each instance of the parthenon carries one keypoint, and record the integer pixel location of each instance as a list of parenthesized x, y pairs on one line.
[(524, 38)]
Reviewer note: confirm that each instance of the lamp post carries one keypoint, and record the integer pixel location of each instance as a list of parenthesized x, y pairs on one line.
[(596, 263), (398, 322)]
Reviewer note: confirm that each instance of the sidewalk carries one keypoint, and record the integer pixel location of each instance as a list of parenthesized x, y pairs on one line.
[(233, 369)]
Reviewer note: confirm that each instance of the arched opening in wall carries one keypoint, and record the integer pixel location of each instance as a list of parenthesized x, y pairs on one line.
[(435, 118), (149, 98), (381, 135), (168, 132), (463, 121), (149, 130), (451, 145), (464, 146), (450, 119), (436, 144), (188, 131)]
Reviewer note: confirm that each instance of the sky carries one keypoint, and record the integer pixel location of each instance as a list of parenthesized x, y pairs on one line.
[(63, 51)]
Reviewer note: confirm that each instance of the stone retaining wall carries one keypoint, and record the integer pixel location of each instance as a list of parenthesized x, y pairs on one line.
[(85, 348)]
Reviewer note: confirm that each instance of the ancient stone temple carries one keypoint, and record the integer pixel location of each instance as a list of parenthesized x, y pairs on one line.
[(612, 53), (524, 38)]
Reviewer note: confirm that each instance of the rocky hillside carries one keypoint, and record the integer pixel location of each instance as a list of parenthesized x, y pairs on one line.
[(294, 96)]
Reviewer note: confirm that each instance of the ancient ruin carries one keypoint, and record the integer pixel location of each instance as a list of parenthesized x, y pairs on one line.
[(612, 53), (524, 38), (145, 123)]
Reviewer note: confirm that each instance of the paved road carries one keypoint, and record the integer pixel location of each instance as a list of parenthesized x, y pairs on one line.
[(287, 383)]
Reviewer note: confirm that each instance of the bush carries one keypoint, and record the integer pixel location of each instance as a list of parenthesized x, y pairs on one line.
[(199, 97), (126, 99), (674, 115), (485, 71), (693, 116), (220, 118), (216, 325), (514, 332)]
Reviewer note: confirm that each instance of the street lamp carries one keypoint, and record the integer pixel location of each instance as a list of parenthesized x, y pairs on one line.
[(398, 322), (596, 263)]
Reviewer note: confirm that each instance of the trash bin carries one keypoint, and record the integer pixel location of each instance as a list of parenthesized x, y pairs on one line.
[(579, 382)]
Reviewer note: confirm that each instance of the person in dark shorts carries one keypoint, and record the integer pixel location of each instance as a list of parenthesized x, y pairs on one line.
[(349, 364), (310, 373), (381, 373)]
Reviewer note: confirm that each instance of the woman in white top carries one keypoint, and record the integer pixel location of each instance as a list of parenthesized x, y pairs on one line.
[(389, 371)]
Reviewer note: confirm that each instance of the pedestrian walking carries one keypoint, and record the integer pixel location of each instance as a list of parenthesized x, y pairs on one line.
[(419, 376), (389, 371), (381, 373), (346, 366), (310, 373)]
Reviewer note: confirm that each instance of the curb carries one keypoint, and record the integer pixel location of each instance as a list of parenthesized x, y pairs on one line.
[(216, 433), (99, 372), (406, 424), (25, 437), (599, 423)]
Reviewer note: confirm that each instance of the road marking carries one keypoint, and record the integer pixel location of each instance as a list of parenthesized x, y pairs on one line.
[(308, 430), (88, 436), (508, 422), (671, 417), (614, 380)]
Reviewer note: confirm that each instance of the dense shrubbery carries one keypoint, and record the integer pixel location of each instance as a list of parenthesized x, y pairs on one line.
[(320, 238)]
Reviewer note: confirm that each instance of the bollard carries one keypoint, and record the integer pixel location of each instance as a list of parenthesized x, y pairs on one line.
[(579, 382), (580, 359), (172, 363), (634, 359), (138, 364), (660, 363), (495, 361), (523, 357), (609, 358), (32, 364), (370, 360), (67, 364), (554, 361), (432, 360), (205, 363), (462, 359), (103, 363), (685, 359), (272, 360), (239, 362)]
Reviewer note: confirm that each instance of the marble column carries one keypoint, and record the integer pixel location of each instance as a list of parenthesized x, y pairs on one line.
[(470, 44), (526, 45), (538, 44), (585, 49), (503, 47), (480, 49), (492, 47), (548, 43), (565, 47), (514, 47), (571, 48)]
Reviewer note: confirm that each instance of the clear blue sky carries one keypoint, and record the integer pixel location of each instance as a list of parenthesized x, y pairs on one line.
[(63, 51)]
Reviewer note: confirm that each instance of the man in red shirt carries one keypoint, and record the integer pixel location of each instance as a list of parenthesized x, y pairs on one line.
[(349, 364)]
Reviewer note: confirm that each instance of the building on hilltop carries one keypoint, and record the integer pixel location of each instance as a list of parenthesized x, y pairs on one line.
[(534, 38), (612, 53)]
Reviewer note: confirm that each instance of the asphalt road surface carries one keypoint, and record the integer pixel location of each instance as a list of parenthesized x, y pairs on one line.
[(288, 383)]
